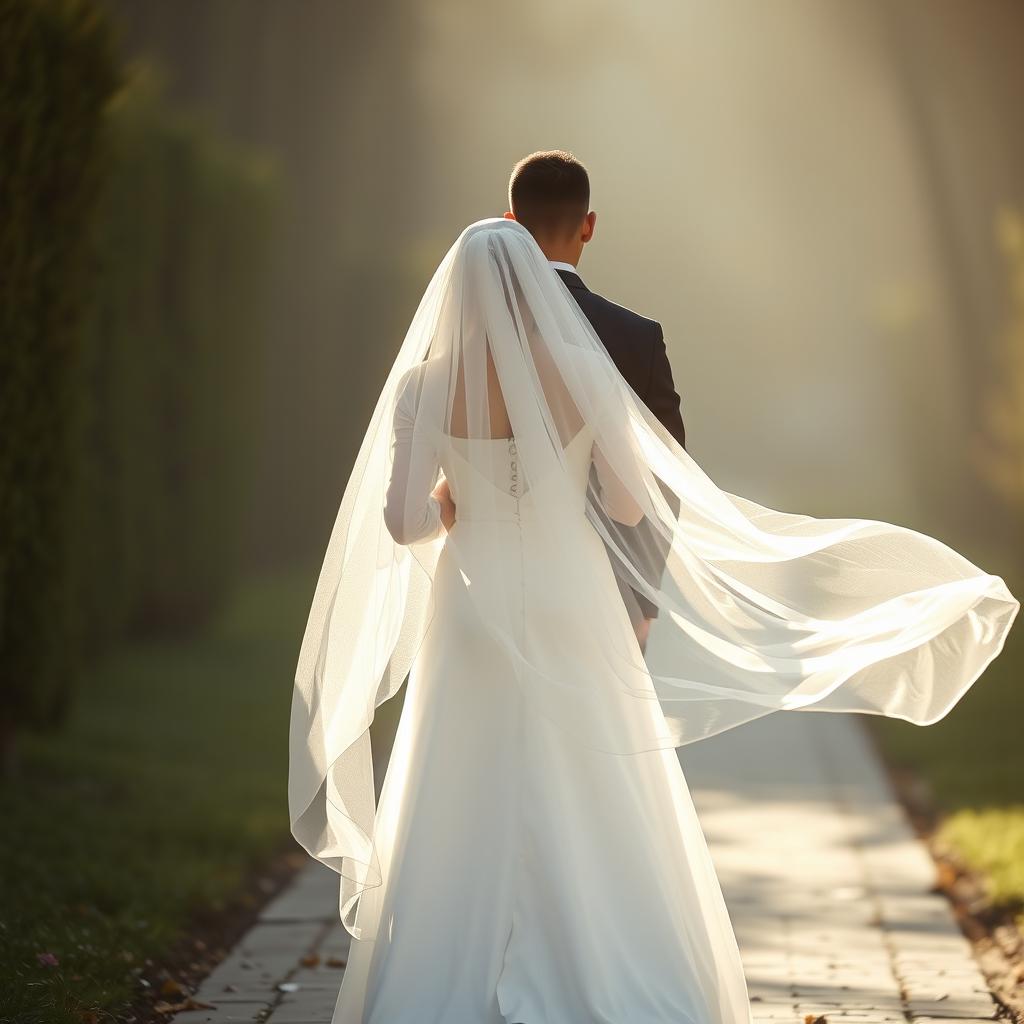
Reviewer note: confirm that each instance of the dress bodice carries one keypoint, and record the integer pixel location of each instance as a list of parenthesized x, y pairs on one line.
[(486, 477)]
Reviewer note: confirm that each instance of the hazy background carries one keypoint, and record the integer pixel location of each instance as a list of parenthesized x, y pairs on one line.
[(216, 220), (804, 194)]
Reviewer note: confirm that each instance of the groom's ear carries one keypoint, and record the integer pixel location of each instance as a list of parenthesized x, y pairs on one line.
[(509, 215), (589, 223)]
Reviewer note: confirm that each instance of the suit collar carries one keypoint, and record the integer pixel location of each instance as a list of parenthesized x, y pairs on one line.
[(572, 280)]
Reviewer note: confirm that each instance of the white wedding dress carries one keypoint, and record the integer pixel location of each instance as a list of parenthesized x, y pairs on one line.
[(534, 857), (525, 880)]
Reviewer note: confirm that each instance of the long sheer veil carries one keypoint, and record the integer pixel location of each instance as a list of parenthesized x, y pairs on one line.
[(760, 610)]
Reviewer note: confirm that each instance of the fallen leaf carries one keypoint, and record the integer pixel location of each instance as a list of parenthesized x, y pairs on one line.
[(945, 875), (310, 960), (336, 961), (170, 987)]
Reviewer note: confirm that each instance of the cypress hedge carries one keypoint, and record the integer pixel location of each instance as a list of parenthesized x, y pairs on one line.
[(57, 71), (176, 347), (134, 245)]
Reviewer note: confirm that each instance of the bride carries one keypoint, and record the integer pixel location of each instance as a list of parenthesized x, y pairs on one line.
[(535, 856)]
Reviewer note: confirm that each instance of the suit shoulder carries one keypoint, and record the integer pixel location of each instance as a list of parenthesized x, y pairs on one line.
[(636, 322)]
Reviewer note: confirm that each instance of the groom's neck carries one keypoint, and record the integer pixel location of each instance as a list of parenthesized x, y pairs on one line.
[(562, 252)]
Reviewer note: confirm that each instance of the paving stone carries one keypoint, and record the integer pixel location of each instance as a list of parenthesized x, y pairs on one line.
[(245, 971), (946, 1020), (313, 896), (220, 994), (229, 1012), (774, 1011), (281, 937), (318, 978), (337, 942), (980, 1007), (306, 1004), (935, 990)]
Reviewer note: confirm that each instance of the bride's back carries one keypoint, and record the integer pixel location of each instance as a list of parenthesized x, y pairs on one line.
[(488, 483), (476, 406), (476, 447)]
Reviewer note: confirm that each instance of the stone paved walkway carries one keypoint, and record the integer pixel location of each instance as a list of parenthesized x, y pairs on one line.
[(827, 887)]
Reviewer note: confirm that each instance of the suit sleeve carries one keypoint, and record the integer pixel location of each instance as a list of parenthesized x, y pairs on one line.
[(662, 397), (663, 400)]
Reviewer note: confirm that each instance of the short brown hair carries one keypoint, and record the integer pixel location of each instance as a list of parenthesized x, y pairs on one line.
[(549, 192)]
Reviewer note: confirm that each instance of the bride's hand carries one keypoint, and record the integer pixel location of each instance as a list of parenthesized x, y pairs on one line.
[(442, 492)]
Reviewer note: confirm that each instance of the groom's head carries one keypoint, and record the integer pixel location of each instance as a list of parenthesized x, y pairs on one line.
[(549, 194)]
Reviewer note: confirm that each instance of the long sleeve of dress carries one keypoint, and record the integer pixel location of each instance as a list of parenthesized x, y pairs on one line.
[(616, 498), (411, 514)]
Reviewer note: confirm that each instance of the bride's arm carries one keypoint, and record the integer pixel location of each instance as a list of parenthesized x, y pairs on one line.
[(411, 513), (616, 498)]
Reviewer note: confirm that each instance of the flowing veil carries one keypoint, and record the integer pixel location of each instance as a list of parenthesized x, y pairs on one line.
[(760, 610)]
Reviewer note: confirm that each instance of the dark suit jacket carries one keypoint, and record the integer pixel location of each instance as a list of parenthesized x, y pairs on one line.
[(637, 347)]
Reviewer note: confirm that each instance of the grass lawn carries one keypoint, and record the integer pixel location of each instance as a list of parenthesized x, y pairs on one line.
[(973, 761), (167, 786)]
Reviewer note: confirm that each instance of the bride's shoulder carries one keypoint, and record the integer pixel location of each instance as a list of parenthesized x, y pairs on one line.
[(414, 376), (413, 381), (423, 370)]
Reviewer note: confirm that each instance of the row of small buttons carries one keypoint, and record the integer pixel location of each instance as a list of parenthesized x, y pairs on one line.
[(513, 456), (513, 461)]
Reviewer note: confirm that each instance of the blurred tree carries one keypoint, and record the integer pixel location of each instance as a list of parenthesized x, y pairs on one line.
[(57, 69), (134, 245), (175, 366), (999, 445), (329, 89), (959, 74)]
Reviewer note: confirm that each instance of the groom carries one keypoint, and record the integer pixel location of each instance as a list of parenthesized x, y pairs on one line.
[(549, 193)]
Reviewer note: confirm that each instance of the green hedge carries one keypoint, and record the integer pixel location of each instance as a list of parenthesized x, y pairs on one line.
[(176, 346), (134, 244), (57, 70)]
